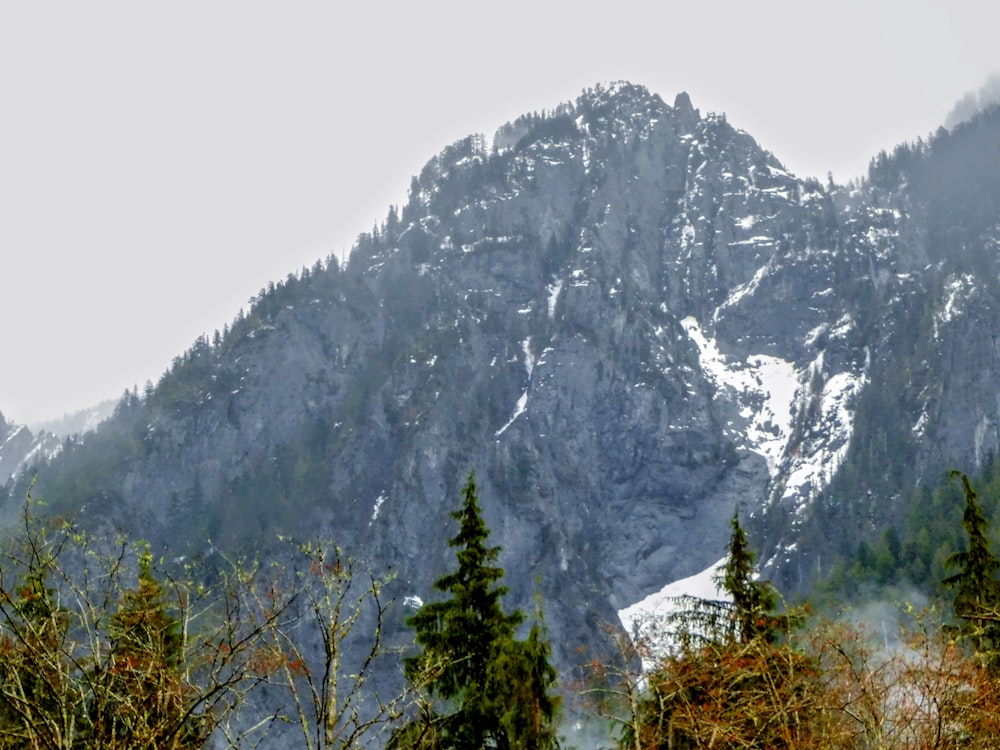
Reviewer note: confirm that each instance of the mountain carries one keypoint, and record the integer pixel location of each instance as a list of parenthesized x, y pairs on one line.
[(628, 319), (78, 422), (21, 448)]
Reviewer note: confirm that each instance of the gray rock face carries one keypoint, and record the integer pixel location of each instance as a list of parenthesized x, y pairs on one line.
[(626, 317), (19, 448)]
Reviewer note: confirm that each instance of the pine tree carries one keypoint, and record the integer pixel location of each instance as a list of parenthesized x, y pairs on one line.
[(140, 696), (525, 672), (492, 689), (977, 591), (753, 601)]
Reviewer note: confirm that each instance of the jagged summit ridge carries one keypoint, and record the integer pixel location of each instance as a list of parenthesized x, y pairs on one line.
[(725, 207), (20, 448)]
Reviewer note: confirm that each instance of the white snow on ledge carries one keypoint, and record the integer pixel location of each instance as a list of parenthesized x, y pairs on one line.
[(700, 586), (377, 508), (824, 450), (553, 289), (957, 289), (770, 392)]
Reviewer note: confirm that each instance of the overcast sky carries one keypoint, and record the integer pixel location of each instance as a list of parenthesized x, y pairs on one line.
[(162, 161)]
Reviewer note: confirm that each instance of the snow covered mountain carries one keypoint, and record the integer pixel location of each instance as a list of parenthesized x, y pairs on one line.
[(629, 319)]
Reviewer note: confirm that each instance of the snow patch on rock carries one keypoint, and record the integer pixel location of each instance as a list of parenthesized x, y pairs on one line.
[(649, 619), (765, 388), (815, 458)]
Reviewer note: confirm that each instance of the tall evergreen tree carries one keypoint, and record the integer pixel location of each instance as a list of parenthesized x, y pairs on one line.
[(753, 601), (526, 675), (141, 695), (977, 591), (493, 689)]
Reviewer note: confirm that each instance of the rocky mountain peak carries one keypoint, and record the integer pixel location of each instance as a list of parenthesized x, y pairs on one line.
[(627, 318), (682, 103), (19, 448), (686, 114)]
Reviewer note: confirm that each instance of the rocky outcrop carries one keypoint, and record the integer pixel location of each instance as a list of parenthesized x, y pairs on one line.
[(20, 448)]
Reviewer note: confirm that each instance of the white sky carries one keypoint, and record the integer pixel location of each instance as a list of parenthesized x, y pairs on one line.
[(160, 162)]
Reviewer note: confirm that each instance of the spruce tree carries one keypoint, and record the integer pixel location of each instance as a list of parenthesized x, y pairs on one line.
[(492, 689), (525, 673), (977, 591), (753, 601), (141, 697)]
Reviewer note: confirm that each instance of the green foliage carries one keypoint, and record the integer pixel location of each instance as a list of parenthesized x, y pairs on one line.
[(141, 689), (525, 672), (910, 550), (90, 656), (977, 591), (491, 689), (101, 646), (32, 676), (753, 601)]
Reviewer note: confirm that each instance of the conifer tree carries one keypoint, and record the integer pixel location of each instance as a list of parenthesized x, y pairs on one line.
[(33, 671), (753, 601), (492, 689), (140, 695), (101, 648), (977, 591), (526, 674)]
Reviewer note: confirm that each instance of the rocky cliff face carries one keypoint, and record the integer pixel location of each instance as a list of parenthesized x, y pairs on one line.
[(627, 318), (20, 448)]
